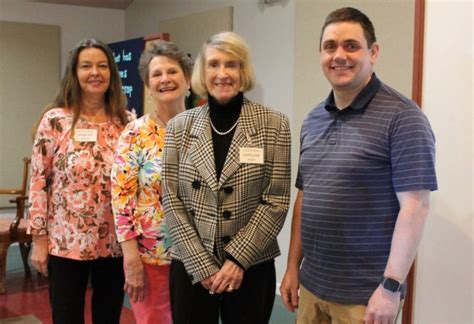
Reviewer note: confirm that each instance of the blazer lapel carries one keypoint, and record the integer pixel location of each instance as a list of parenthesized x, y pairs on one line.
[(202, 152), (243, 134)]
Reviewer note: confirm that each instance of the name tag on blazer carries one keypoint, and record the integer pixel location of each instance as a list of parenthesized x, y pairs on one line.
[(85, 135), (251, 155)]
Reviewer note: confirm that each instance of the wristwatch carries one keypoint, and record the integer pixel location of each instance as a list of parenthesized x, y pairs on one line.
[(391, 284)]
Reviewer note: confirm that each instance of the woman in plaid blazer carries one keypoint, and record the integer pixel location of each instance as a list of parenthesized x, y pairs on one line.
[(226, 183)]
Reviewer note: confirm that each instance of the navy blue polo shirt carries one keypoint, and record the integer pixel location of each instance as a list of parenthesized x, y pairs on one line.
[(352, 163)]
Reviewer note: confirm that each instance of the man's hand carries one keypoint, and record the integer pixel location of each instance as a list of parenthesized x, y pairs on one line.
[(289, 289), (39, 255), (383, 307), (291, 281), (228, 278)]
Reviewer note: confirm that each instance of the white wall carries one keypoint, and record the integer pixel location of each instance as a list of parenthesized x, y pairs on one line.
[(24, 91), (75, 22), (445, 279), (269, 31)]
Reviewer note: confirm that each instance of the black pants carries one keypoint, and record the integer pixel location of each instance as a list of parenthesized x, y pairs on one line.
[(252, 303), (68, 281)]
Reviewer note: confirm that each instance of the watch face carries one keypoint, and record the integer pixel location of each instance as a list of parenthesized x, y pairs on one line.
[(391, 284)]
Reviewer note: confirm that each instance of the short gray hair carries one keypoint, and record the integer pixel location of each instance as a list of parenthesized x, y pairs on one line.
[(169, 50)]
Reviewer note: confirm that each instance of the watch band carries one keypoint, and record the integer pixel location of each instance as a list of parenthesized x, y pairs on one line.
[(391, 284)]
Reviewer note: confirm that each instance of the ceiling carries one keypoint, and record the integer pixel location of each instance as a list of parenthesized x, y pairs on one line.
[(110, 4)]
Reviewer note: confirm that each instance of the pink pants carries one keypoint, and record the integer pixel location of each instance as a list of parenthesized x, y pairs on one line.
[(156, 306)]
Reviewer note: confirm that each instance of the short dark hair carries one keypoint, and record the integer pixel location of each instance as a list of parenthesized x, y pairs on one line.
[(169, 50), (354, 15)]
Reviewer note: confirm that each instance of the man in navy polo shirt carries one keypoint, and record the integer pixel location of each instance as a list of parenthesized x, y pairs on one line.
[(365, 174)]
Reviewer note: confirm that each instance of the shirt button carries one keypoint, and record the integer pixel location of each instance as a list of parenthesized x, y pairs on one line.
[(196, 184), (226, 214), (191, 277), (192, 212), (228, 190), (226, 239)]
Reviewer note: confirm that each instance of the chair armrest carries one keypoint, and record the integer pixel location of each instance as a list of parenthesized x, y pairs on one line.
[(11, 191), (20, 211)]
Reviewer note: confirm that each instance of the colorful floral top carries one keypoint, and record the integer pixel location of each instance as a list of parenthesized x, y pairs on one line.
[(70, 187), (136, 188)]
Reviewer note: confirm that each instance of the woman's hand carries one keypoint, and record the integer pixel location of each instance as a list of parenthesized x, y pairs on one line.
[(135, 280), (228, 278), (207, 283), (39, 255), (135, 276)]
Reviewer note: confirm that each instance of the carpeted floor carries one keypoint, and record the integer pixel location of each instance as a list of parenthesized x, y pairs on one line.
[(26, 300)]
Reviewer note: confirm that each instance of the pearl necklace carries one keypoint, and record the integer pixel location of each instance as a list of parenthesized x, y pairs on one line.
[(226, 132)]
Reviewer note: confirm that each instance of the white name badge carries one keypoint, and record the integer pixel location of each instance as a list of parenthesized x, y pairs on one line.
[(251, 155), (85, 135)]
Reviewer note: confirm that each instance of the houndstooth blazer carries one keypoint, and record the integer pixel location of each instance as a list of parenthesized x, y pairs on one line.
[(243, 212)]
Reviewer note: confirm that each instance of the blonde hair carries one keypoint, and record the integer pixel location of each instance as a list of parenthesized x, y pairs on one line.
[(229, 43)]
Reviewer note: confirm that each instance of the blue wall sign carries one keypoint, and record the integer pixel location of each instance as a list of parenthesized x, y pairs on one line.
[(127, 55)]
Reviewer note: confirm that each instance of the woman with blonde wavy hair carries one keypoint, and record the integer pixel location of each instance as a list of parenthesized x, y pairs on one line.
[(226, 182)]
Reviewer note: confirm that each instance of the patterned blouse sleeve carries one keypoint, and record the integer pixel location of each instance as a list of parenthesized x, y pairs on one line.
[(125, 184), (46, 136)]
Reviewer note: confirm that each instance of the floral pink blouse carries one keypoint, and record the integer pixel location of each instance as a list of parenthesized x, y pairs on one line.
[(70, 187), (136, 188)]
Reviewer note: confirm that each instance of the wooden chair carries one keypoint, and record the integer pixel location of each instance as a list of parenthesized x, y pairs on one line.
[(13, 229)]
